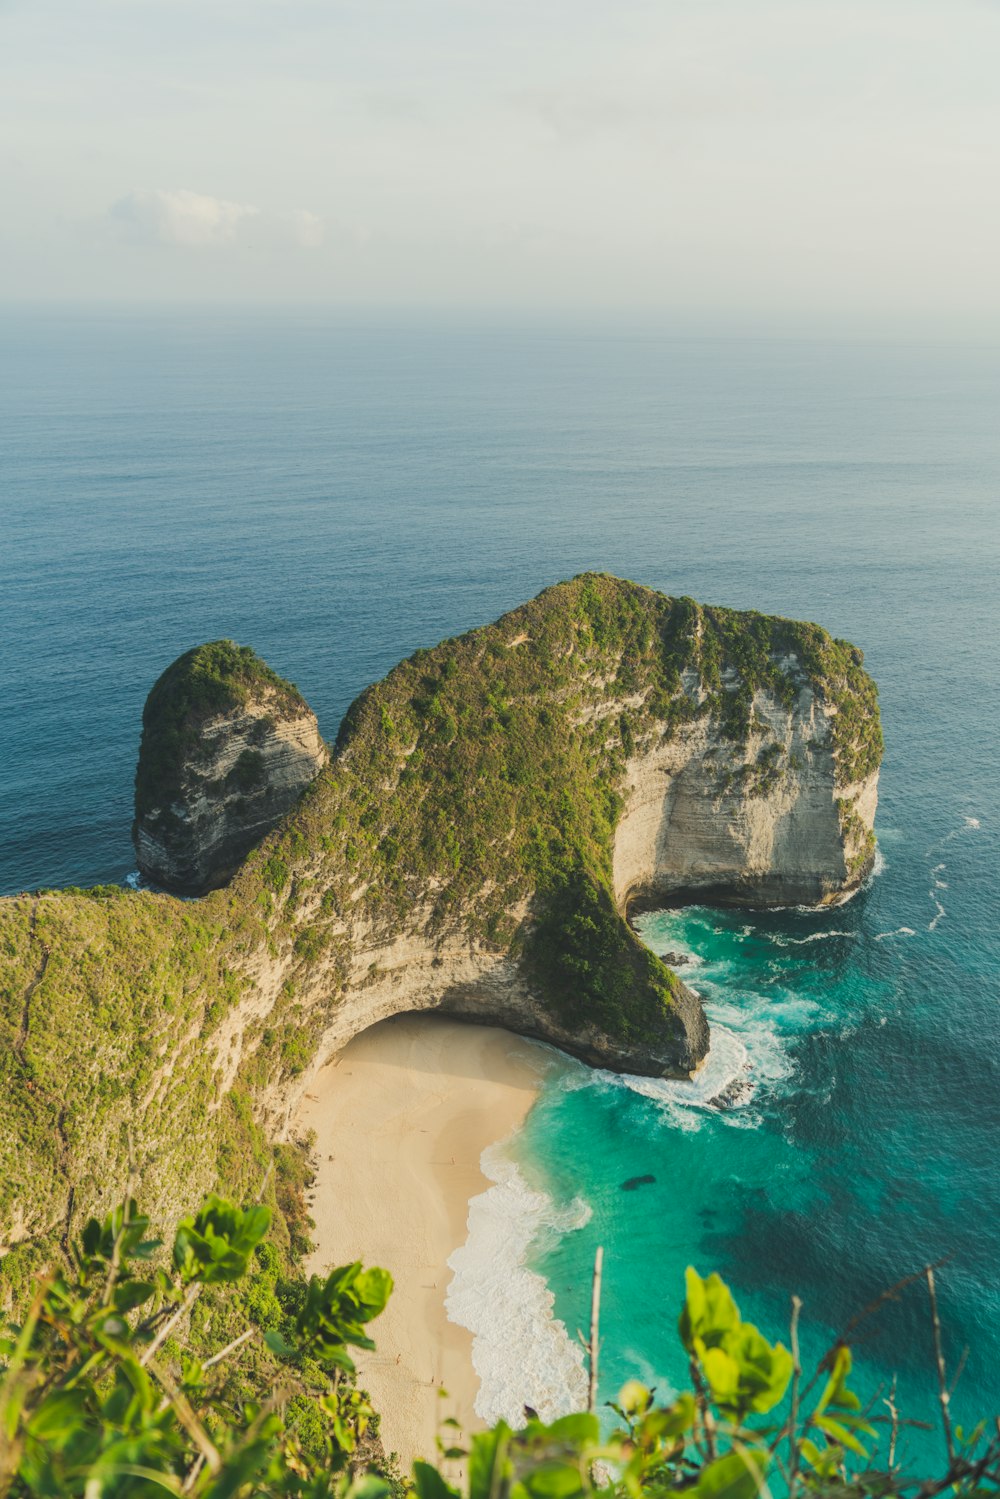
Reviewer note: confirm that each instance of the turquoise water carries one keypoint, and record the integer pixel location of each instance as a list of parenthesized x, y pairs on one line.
[(338, 494), (844, 1156)]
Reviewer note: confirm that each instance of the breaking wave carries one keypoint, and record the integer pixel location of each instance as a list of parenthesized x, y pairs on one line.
[(522, 1354)]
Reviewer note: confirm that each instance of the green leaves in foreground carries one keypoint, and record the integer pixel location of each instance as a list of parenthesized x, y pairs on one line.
[(744, 1372), (100, 1398), (336, 1311), (106, 1393), (216, 1244)]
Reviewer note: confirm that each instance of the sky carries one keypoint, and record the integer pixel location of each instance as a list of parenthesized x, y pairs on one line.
[(726, 162)]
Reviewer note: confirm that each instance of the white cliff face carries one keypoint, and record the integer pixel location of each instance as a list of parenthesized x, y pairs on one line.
[(761, 821), (250, 768)]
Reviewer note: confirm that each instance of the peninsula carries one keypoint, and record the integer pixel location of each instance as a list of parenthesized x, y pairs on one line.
[(489, 813)]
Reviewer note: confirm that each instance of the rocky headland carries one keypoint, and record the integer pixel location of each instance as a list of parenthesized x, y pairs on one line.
[(489, 813)]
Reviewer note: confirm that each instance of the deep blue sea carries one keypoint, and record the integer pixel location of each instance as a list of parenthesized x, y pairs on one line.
[(336, 494)]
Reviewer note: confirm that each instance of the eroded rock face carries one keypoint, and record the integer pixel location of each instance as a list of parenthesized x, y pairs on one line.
[(227, 750), (760, 822)]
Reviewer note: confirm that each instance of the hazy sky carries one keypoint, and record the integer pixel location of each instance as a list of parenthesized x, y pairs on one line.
[(719, 160)]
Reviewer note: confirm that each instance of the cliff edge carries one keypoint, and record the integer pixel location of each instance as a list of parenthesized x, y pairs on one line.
[(489, 813)]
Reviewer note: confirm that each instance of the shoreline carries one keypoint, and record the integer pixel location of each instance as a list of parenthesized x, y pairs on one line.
[(401, 1119)]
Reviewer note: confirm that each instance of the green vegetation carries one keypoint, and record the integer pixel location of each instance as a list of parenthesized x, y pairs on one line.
[(203, 683), (591, 964), (107, 1391), (108, 1387)]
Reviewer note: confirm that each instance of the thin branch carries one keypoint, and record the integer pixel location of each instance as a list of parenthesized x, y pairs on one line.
[(267, 1178), (116, 1253), (229, 1348), (190, 1297), (707, 1423), (192, 1476), (793, 1419), (894, 1433), (186, 1416), (595, 1314), (959, 1371), (943, 1395), (843, 1337)]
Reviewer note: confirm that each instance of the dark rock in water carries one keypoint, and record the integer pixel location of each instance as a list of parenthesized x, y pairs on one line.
[(227, 749), (737, 1091), (676, 959), (636, 1181)]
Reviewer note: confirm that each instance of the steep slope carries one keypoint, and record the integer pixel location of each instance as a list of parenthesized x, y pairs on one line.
[(490, 809)]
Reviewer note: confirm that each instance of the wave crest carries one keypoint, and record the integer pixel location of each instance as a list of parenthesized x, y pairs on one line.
[(521, 1352)]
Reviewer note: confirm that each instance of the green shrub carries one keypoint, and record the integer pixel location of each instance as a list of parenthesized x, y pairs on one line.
[(105, 1393)]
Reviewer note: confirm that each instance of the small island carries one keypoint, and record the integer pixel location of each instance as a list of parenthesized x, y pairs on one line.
[(489, 815)]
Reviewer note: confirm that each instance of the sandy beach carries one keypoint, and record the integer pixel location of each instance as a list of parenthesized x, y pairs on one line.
[(401, 1118)]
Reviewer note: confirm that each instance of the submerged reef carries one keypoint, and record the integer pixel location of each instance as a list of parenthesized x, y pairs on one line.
[(490, 812)]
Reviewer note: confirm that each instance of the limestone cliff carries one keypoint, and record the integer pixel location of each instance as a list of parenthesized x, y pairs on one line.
[(758, 821), (489, 811), (227, 749)]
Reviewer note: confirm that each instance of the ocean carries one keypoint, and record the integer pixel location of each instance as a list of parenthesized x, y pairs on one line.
[(336, 493)]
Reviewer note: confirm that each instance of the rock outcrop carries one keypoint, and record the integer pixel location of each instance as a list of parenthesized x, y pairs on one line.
[(227, 749), (489, 813)]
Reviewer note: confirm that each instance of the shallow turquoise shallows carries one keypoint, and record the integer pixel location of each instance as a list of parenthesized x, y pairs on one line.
[(336, 495)]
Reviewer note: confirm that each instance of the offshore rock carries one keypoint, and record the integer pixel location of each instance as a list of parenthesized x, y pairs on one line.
[(227, 749)]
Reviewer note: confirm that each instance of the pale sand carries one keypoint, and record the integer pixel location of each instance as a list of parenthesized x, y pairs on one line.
[(401, 1118)]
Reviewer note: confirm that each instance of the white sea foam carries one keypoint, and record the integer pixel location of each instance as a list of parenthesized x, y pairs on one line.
[(901, 931), (133, 881), (969, 825), (745, 1054), (521, 1352), (940, 912), (725, 1074), (813, 937)]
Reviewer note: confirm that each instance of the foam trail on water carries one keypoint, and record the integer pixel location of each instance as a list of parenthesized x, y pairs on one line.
[(801, 941), (521, 1353), (901, 931), (724, 1074), (969, 825)]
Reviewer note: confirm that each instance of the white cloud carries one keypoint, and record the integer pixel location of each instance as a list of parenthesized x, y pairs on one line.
[(307, 228), (196, 220), (181, 217)]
